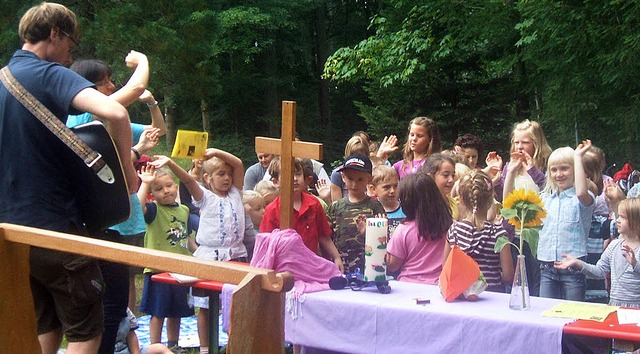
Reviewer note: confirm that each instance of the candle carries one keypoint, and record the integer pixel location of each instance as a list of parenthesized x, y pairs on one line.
[(375, 249)]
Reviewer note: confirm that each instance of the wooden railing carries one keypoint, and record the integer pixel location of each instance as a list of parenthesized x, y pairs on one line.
[(257, 310)]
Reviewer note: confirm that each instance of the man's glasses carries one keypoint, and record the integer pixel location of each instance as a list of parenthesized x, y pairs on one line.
[(71, 38)]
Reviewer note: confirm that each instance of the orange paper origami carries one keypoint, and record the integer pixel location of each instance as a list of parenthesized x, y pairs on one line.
[(458, 273)]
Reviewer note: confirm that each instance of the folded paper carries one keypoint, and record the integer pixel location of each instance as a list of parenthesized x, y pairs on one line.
[(459, 272)]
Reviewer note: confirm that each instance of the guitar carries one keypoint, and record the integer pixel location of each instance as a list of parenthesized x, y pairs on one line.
[(103, 203), (102, 192)]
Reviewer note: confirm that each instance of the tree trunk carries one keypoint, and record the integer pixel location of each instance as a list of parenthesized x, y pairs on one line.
[(204, 111), (322, 53), (170, 119)]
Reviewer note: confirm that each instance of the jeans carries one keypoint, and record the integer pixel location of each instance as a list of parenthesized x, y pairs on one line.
[(567, 284)]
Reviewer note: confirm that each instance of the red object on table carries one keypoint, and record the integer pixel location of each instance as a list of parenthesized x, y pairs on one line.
[(607, 329), (200, 284)]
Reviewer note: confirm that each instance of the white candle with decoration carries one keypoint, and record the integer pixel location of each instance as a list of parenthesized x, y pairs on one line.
[(375, 268)]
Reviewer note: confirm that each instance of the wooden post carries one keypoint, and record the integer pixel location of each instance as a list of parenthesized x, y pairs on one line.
[(288, 148), (17, 315)]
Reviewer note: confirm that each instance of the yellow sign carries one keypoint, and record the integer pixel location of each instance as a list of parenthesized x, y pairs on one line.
[(190, 144), (581, 311)]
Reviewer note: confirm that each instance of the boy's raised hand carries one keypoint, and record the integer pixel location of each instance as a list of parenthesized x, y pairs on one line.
[(323, 189), (147, 173)]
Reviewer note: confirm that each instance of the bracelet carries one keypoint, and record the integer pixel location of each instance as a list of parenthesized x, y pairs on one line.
[(136, 152), (151, 105)]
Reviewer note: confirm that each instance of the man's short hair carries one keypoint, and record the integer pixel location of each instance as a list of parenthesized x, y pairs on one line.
[(36, 24)]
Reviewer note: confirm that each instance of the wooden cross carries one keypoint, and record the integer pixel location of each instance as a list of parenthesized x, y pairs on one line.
[(288, 148)]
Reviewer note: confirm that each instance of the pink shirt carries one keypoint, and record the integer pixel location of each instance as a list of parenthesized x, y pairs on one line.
[(422, 259), (403, 172)]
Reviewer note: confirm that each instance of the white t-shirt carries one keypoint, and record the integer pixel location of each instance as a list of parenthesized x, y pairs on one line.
[(221, 229)]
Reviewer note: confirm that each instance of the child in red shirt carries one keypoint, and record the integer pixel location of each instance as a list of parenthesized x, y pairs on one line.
[(309, 219)]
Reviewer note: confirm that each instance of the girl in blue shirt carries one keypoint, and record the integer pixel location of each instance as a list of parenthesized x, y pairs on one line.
[(569, 205)]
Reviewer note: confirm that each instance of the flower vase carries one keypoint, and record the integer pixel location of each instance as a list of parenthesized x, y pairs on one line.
[(519, 299)]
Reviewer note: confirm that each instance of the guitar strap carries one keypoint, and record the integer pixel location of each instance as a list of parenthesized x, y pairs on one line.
[(91, 158)]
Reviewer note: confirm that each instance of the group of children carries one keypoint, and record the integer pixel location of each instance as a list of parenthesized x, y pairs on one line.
[(433, 200)]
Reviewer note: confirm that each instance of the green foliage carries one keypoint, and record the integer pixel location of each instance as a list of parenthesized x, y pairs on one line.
[(475, 66), (530, 236)]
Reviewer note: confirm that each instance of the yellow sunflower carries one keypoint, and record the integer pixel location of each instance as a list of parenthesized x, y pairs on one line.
[(524, 210), (524, 204)]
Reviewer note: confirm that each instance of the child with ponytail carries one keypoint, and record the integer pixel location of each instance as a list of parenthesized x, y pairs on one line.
[(476, 236)]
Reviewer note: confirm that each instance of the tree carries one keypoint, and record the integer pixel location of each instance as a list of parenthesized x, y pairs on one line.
[(448, 60)]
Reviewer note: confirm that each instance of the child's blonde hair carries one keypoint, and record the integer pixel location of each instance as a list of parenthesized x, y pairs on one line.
[(210, 167), (563, 155), (476, 193), (434, 139), (382, 173), (249, 196), (542, 150), (631, 207), (457, 158), (461, 170), (265, 187), (356, 145)]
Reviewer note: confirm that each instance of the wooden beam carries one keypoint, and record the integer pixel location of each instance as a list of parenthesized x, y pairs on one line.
[(225, 272), (286, 164), (300, 148)]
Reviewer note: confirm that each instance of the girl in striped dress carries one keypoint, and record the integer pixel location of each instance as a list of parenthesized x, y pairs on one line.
[(476, 236)]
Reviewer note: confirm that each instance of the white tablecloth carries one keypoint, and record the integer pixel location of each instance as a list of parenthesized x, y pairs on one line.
[(369, 322)]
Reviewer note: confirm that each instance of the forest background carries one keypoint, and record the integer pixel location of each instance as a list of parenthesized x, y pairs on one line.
[(474, 66)]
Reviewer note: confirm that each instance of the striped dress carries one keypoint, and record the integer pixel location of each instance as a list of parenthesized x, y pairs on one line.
[(479, 245)]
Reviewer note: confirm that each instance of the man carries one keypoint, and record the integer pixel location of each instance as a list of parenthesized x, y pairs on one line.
[(37, 178), (256, 172)]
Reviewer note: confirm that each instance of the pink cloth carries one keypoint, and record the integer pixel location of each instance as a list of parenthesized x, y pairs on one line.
[(284, 251), (422, 260)]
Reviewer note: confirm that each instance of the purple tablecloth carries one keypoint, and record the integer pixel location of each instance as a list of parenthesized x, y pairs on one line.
[(369, 322)]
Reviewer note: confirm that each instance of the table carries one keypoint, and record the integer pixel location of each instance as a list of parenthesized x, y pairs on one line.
[(383, 323), (370, 322), (213, 288)]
